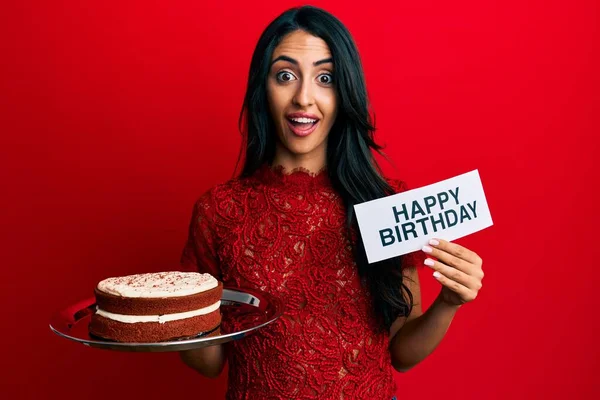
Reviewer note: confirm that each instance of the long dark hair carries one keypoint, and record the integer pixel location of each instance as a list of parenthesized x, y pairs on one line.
[(351, 165)]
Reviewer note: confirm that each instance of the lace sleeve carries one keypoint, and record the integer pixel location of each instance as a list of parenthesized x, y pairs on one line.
[(414, 259), (199, 253)]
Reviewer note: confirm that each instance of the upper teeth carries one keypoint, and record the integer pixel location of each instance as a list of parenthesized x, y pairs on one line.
[(304, 120)]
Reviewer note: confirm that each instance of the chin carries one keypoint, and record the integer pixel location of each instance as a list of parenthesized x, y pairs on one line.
[(298, 149), (302, 145)]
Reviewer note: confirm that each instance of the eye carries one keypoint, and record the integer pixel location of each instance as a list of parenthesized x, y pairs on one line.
[(326, 79), (285, 76)]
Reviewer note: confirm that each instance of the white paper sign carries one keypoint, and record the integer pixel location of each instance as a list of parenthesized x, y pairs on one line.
[(404, 222)]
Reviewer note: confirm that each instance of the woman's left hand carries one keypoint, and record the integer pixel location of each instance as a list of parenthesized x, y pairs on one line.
[(457, 268)]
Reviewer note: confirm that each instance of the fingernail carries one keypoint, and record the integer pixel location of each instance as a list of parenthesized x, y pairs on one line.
[(437, 274), (427, 249), (428, 261), (434, 242)]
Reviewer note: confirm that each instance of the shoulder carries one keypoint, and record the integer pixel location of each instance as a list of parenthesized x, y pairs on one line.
[(218, 190), (221, 196)]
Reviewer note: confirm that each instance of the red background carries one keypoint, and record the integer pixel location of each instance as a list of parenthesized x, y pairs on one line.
[(116, 116)]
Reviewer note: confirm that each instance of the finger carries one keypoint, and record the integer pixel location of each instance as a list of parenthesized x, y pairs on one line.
[(456, 250), (464, 292), (448, 259), (454, 274)]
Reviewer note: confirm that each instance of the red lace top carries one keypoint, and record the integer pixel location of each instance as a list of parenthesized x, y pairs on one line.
[(286, 234)]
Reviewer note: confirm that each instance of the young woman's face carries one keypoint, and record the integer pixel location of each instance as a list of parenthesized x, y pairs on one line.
[(302, 98)]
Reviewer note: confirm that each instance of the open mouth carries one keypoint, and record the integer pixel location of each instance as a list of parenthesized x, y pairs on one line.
[(303, 123), (302, 126)]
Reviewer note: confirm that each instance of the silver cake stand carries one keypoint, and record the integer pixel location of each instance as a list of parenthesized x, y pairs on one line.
[(244, 311)]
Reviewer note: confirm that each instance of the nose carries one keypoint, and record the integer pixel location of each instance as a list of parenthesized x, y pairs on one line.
[(304, 96)]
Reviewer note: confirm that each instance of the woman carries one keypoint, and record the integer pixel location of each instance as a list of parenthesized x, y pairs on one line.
[(286, 226)]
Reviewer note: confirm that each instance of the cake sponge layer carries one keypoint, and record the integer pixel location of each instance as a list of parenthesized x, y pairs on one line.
[(149, 332)]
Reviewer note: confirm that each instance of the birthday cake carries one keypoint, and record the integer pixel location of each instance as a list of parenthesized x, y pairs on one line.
[(156, 307)]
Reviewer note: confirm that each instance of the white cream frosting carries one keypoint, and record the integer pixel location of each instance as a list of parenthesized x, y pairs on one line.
[(158, 284), (132, 319)]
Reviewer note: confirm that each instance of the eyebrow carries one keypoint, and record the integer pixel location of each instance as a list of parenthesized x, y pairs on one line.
[(295, 62)]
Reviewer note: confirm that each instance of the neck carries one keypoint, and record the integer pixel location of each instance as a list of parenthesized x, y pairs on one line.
[(313, 162)]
